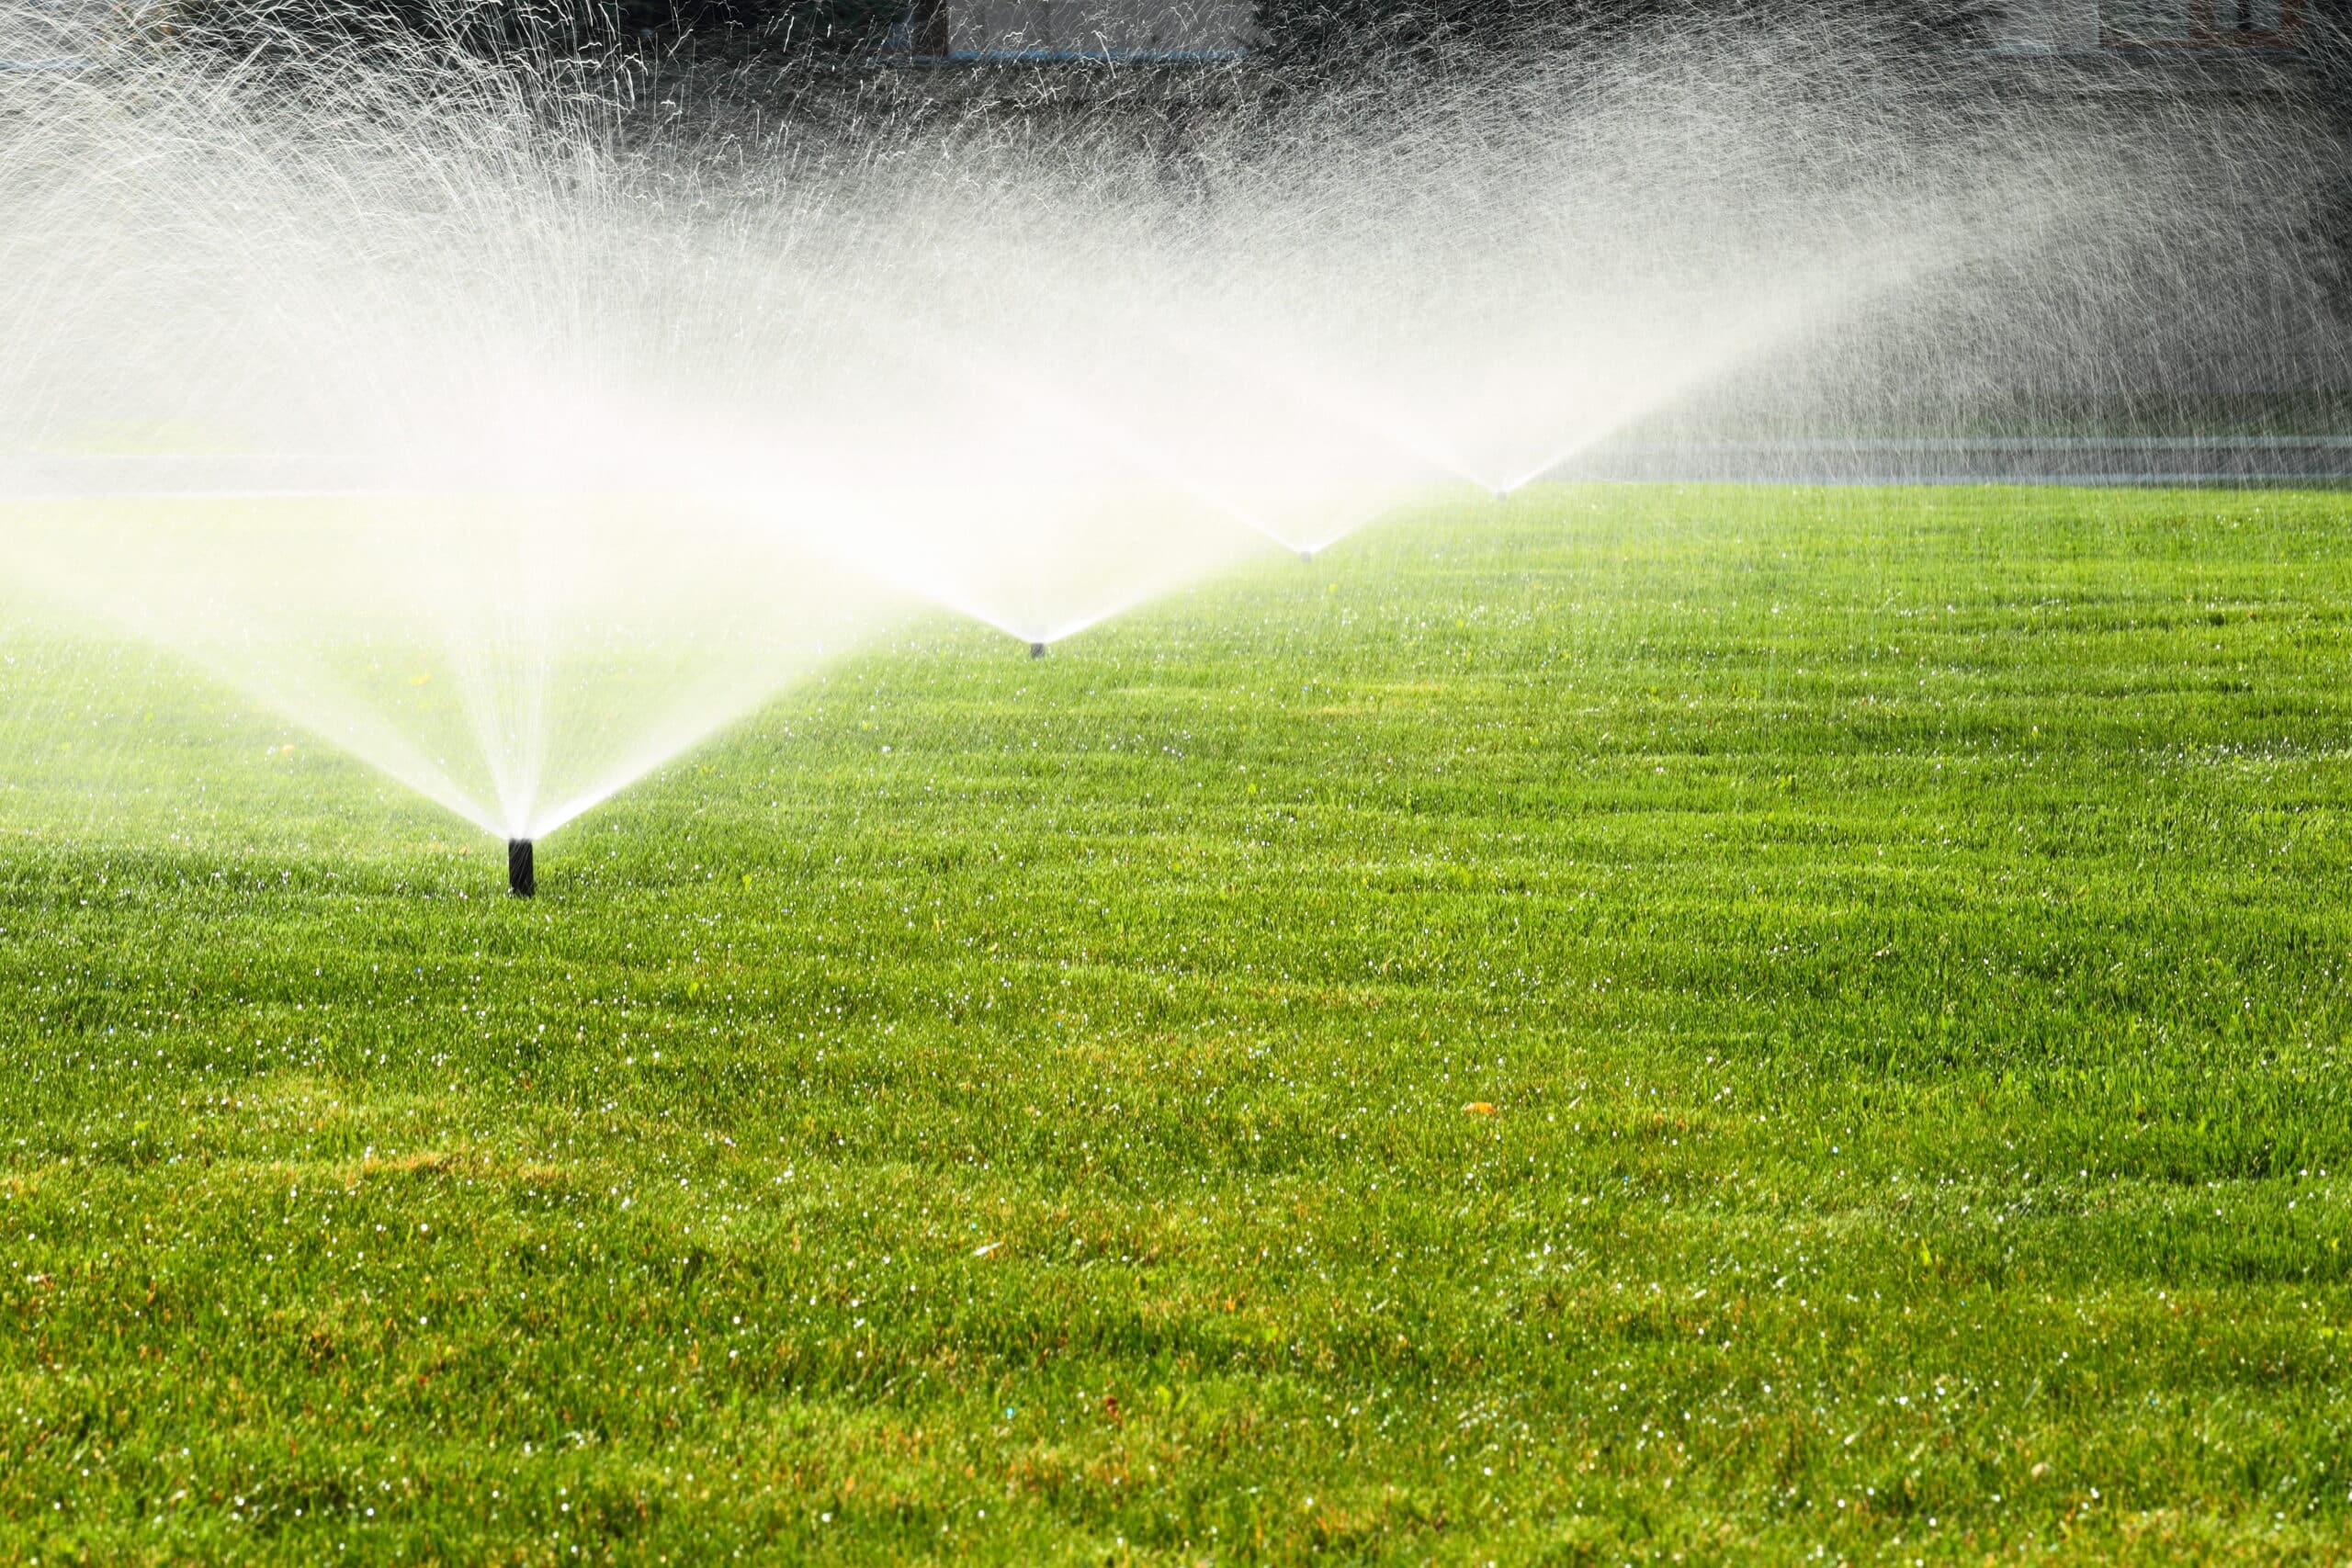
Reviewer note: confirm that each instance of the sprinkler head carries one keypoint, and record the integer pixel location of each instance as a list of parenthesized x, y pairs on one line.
[(1037, 651), (520, 879), (1308, 557)]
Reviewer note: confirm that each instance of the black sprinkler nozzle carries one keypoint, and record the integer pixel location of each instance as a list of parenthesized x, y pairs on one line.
[(520, 879), (1306, 556), (1037, 651)]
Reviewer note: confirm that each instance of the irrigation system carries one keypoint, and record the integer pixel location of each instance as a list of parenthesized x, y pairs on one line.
[(595, 425)]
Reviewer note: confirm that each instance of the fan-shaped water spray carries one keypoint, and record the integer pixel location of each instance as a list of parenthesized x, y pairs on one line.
[(515, 434)]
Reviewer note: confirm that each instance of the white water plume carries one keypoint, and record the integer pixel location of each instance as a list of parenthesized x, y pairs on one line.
[(516, 660), (635, 412)]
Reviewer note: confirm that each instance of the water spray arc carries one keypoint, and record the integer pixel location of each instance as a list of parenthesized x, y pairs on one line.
[(635, 436)]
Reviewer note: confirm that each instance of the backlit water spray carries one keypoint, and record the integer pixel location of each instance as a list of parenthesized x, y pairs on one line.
[(516, 430)]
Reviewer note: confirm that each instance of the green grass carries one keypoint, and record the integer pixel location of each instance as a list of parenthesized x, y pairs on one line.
[(1005, 1111)]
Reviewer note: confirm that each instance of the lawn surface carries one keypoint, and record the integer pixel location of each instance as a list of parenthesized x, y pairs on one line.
[(1634, 1023)]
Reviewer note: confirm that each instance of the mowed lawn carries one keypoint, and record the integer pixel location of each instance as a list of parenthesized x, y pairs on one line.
[(1752, 1024)]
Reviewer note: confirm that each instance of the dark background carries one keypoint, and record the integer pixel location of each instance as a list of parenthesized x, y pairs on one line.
[(1298, 36), (1294, 30)]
